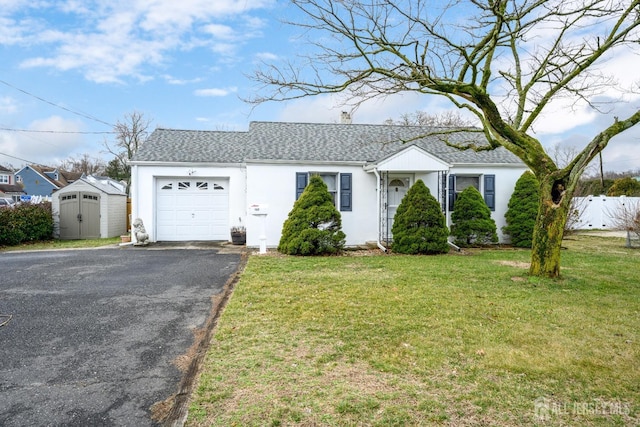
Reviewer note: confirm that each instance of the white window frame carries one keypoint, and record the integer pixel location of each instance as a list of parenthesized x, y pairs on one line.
[(334, 191), (476, 177)]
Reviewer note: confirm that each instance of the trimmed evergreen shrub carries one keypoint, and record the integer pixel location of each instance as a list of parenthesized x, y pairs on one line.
[(314, 225), (472, 222), (25, 223), (522, 210), (419, 226), (624, 187)]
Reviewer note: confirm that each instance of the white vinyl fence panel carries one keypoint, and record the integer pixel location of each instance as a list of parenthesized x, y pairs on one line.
[(599, 212)]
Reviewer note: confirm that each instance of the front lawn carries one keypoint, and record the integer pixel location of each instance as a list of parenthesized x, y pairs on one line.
[(386, 340)]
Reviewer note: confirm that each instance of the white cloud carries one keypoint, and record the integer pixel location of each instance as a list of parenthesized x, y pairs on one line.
[(219, 31), (215, 92), (111, 41), (176, 81), (328, 108), (8, 105), (266, 56), (46, 147)]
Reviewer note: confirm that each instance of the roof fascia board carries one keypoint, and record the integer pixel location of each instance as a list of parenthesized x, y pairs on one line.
[(307, 162), (184, 164), (492, 165)]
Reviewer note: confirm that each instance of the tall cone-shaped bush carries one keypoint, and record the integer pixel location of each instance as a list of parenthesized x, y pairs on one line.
[(523, 210), (314, 225), (472, 222), (419, 226)]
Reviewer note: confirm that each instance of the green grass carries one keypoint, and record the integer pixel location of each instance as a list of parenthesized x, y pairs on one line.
[(61, 244), (390, 340)]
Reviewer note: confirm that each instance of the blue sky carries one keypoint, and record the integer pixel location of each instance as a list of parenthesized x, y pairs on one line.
[(183, 64)]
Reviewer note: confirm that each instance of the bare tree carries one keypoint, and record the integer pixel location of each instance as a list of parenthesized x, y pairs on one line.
[(627, 218), (446, 119), (506, 61), (85, 164), (131, 133)]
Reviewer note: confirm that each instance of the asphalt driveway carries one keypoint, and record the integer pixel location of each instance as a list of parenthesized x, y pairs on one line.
[(95, 337)]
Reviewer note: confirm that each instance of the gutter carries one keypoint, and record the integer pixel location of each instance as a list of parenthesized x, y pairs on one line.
[(378, 213)]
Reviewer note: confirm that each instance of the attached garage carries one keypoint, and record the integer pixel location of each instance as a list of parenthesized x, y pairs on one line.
[(90, 208), (192, 209)]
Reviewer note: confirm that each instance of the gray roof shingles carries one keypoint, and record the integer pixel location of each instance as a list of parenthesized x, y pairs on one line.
[(280, 141)]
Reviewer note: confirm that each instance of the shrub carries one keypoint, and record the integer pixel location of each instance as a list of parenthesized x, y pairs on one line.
[(314, 225), (25, 223), (624, 187), (522, 210), (419, 226), (472, 222)]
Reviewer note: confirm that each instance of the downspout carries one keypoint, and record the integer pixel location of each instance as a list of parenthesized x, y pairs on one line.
[(133, 194), (378, 213), (446, 209)]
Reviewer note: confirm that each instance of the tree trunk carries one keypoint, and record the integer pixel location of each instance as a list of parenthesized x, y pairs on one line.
[(549, 228)]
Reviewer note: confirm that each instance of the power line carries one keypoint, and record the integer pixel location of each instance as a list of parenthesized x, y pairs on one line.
[(85, 115), (24, 160), (58, 131)]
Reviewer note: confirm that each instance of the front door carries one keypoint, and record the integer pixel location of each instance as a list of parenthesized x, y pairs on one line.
[(396, 190)]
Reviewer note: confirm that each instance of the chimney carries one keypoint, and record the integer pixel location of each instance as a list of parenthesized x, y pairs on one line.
[(345, 118)]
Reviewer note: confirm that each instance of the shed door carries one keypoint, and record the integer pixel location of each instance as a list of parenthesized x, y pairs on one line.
[(192, 209), (79, 216)]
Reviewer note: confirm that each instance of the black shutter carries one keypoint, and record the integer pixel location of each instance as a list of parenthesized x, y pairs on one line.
[(452, 191), (301, 183), (345, 192), (490, 191)]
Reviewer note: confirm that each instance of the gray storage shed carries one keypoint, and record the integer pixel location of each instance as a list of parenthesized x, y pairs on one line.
[(90, 208)]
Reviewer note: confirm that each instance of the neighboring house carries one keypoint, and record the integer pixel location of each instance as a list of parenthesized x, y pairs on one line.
[(43, 181), (195, 185), (91, 207), (8, 186)]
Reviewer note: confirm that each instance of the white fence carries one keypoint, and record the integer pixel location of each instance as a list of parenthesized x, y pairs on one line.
[(599, 212), (35, 199)]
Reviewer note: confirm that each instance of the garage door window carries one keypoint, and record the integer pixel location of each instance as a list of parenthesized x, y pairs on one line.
[(202, 185), (184, 185), (168, 186)]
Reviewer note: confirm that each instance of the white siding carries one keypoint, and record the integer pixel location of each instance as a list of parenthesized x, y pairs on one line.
[(275, 185), (412, 159), (506, 178), (143, 185)]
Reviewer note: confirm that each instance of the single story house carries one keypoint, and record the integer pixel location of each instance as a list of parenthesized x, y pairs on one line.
[(196, 185), (43, 180), (90, 208)]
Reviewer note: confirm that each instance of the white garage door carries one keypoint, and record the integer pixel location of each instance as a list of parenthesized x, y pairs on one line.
[(192, 209)]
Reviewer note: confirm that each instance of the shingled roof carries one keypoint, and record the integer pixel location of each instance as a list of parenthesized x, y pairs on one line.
[(277, 141)]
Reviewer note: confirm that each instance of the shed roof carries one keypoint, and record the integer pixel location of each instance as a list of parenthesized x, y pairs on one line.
[(102, 183), (280, 141)]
